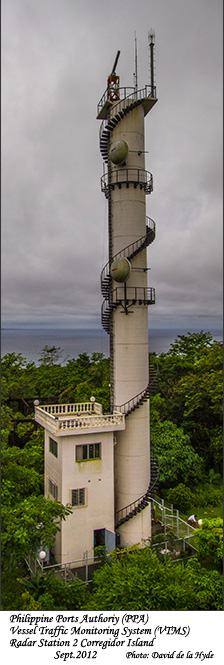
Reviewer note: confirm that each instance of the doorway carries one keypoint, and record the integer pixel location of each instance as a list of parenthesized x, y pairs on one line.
[(99, 537)]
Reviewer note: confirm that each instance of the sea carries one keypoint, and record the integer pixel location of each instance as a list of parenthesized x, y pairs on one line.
[(30, 342)]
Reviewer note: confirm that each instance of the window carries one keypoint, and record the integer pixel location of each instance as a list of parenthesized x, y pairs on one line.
[(88, 452), (53, 489), (53, 447), (78, 497)]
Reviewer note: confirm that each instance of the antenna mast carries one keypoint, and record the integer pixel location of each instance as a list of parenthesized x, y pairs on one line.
[(151, 41), (136, 66)]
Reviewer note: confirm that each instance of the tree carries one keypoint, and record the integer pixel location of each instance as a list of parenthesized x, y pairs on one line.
[(52, 593), (23, 505), (177, 459), (29, 524), (190, 379), (191, 345), (181, 497), (209, 543), (50, 355), (137, 580), (12, 366), (22, 469)]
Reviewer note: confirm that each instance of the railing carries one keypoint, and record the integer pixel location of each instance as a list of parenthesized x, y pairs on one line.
[(170, 519), (106, 94), (67, 417), (130, 250), (34, 564), (147, 91), (131, 404), (139, 504), (77, 408), (78, 569), (93, 421), (174, 549), (135, 176), (133, 293)]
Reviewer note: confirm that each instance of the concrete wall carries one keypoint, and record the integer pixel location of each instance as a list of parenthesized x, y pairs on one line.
[(97, 477)]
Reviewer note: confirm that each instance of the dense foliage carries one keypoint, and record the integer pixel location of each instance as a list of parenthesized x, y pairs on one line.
[(209, 543), (52, 381), (190, 395), (178, 460), (134, 579), (139, 580), (186, 436)]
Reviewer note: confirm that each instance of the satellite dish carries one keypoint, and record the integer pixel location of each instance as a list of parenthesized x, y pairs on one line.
[(118, 152), (120, 270)]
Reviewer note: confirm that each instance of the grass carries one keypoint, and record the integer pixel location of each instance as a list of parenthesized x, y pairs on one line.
[(205, 512)]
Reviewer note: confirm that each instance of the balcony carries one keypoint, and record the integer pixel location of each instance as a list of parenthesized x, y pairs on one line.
[(127, 176), (148, 94), (73, 419)]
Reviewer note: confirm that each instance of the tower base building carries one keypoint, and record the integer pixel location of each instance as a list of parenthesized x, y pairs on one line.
[(79, 471)]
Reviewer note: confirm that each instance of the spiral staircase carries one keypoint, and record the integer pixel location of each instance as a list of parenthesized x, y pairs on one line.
[(113, 298), (127, 513)]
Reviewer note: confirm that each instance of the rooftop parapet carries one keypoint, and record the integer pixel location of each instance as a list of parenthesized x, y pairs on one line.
[(67, 419)]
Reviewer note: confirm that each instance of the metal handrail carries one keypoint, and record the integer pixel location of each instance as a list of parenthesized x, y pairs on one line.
[(130, 175), (136, 504), (105, 96), (150, 91), (145, 298), (134, 401), (134, 248), (133, 293)]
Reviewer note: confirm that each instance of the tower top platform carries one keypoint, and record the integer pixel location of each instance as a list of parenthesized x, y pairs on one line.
[(147, 95), (78, 418)]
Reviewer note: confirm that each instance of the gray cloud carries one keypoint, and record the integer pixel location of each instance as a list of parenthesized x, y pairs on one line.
[(56, 56)]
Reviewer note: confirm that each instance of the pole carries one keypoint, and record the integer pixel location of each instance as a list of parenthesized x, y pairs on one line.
[(86, 565), (163, 514), (136, 65), (151, 35)]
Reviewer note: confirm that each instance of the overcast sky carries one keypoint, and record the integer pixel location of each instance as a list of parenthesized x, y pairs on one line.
[(56, 56)]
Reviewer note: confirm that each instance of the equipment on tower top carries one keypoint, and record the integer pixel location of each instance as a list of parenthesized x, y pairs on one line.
[(115, 63), (113, 82)]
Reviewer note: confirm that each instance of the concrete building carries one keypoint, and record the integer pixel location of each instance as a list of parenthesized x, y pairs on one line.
[(79, 470), (100, 463)]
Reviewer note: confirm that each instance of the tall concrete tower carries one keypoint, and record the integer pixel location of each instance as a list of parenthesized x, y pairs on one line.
[(126, 294), (99, 462)]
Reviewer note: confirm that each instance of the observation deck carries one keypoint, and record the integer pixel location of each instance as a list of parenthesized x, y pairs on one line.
[(65, 419), (148, 94)]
